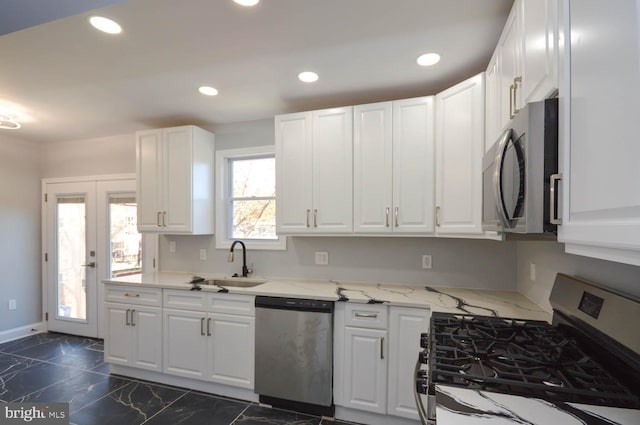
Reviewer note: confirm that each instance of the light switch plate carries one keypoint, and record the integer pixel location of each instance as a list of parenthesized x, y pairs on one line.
[(426, 261), (322, 258), (203, 254), (172, 246), (12, 304)]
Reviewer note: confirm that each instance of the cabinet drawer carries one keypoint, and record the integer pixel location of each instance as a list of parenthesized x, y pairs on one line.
[(243, 305), (185, 300), (366, 316), (133, 295)]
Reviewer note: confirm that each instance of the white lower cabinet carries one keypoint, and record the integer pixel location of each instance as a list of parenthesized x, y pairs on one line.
[(405, 326), (375, 352), (133, 335), (211, 346), (365, 372)]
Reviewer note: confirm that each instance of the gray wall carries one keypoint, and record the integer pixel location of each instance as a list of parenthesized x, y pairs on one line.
[(549, 258), (20, 271)]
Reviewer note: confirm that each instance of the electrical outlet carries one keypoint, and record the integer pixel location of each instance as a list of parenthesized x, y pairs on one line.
[(203, 254), (172, 246), (426, 261), (322, 258), (532, 272), (12, 304)]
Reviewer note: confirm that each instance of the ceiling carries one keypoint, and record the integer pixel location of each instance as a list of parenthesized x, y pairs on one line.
[(63, 80)]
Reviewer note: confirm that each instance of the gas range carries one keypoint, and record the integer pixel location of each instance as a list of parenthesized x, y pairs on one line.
[(589, 355)]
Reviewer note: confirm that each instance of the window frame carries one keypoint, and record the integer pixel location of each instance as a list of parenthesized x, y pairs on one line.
[(223, 188)]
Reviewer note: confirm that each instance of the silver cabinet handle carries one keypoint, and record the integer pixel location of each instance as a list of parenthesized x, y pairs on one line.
[(511, 97), (209, 327), (382, 348), (553, 198), (164, 219), (315, 218), (127, 319), (438, 216), (516, 81), (132, 316), (367, 315), (387, 217), (396, 216), (308, 211), (202, 326), (126, 294), (158, 219)]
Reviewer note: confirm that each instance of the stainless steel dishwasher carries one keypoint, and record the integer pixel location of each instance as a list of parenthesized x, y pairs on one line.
[(294, 354)]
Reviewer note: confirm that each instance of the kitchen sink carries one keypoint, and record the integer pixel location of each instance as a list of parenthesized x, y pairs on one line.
[(239, 282)]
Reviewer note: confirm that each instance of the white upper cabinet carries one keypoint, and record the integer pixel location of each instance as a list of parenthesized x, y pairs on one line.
[(413, 166), (314, 171), (524, 65), (459, 151), (599, 128), (393, 167), (175, 180)]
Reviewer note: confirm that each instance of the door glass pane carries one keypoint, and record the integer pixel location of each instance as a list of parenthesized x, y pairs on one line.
[(126, 242), (71, 241)]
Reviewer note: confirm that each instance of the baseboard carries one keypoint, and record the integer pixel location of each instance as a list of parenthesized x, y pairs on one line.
[(22, 331)]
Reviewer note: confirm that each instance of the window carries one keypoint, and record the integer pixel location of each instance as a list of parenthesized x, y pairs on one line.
[(246, 200)]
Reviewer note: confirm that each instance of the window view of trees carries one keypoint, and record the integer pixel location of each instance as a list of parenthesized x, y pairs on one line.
[(252, 198), (126, 242)]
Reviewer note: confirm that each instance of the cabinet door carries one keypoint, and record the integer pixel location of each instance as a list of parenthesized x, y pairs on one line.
[(117, 341), (177, 171), (365, 370), (333, 170), (413, 166), (492, 103), (231, 349), (148, 160), (540, 43), (509, 52), (405, 326), (146, 325), (185, 343), (293, 173), (460, 147), (598, 148), (372, 168)]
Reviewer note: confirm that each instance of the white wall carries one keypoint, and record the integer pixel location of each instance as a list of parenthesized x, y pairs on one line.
[(91, 157), (549, 258), (20, 229)]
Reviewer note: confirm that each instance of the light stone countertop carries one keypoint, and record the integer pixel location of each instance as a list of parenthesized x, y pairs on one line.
[(438, 299)]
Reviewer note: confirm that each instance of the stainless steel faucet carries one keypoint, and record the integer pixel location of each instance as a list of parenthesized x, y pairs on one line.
[(245, 270)]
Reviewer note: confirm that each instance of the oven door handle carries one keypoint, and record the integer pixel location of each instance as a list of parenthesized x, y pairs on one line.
[(421, 412)]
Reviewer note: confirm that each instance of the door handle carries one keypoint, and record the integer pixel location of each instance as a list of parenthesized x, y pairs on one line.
[(382, 348), (91, 264), (158, 219), (209, 326), (553, 198), (367, 315), (308, 211), (315, 218), (164, 219), (387, 217), (511, 97), (438, 216), (516, 81), (396, 216), (132, 322), (127, 319), (202, 326)]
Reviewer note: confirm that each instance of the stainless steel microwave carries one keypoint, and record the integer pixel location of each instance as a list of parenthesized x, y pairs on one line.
[(519, 173)]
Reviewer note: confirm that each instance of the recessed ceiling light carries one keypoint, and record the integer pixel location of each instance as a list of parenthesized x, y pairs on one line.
[(105, 25), (308, 77), (209, 91), (428, 59), (247, 2), (8, 123)]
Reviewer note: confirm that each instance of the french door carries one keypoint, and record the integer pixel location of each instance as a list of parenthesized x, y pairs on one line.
[(90, 234)]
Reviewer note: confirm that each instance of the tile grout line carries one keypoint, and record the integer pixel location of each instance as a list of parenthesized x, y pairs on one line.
[(166, 407), (240, 414)]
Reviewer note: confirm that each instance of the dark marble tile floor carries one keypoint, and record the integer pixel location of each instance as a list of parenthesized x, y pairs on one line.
[(53, 367)]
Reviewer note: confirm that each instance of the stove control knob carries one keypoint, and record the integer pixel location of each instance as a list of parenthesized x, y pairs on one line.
[(422, 383), (423, 357), (424, 340)]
